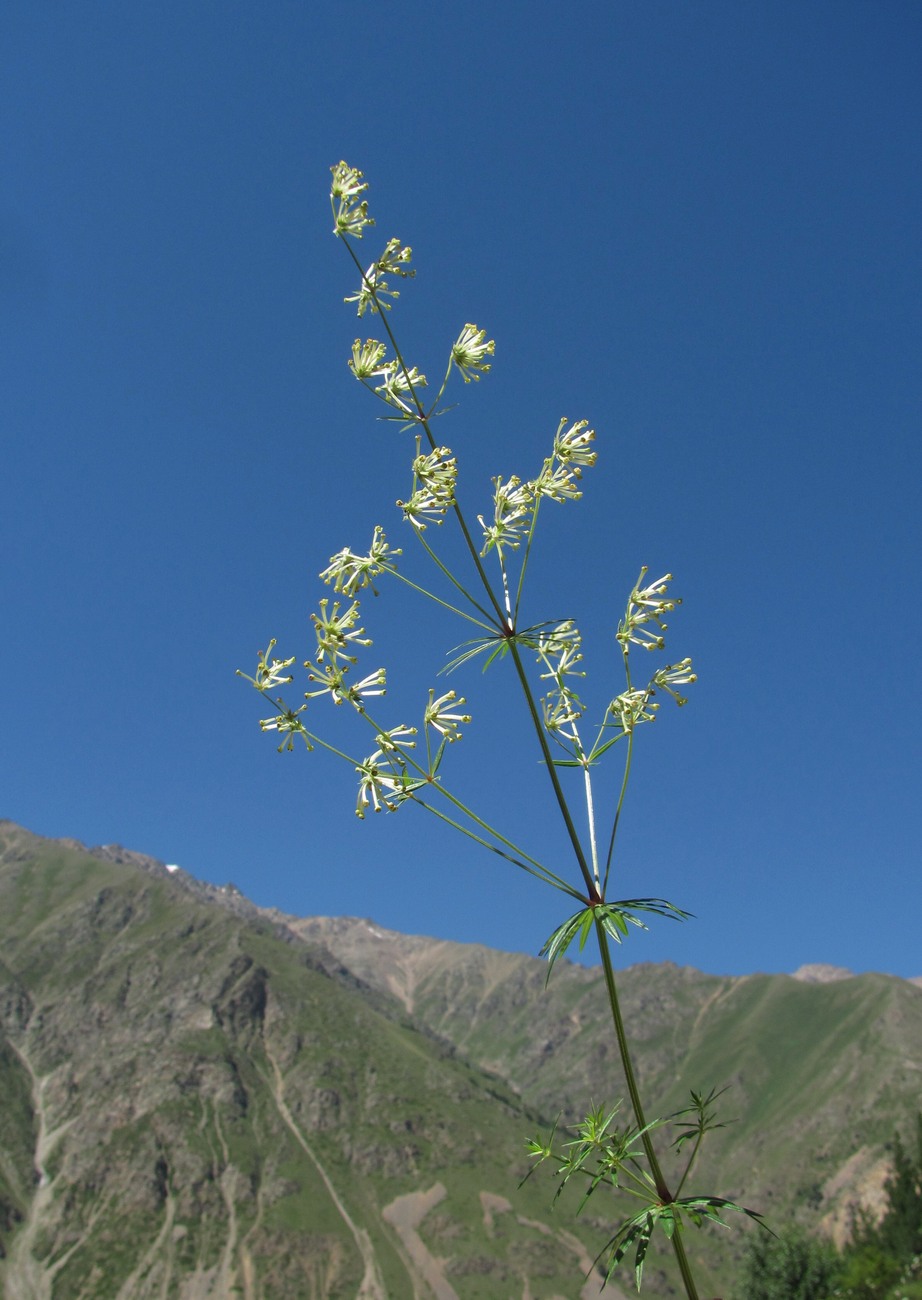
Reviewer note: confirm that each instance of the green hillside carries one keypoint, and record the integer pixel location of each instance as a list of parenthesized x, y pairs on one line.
[(204, 1100), (820, 1074), (196, 1105)]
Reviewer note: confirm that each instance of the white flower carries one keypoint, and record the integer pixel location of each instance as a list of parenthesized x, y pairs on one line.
[(562, 709), (673, 675), (396, 379), (288, 725), (377, 787), (561, 639), (390, 742), (512, 506), (631, 707), (366, 358), (434, 477), (469, 350), (374, 684), (437, 715), (347, 182), (350, 573), (350, 211), (557, 482), (374, 287), (337, 632), (269, 673), (646, 605), (572, 447)]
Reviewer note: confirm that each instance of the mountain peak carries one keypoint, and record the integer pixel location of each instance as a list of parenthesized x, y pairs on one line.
[(819, 972)]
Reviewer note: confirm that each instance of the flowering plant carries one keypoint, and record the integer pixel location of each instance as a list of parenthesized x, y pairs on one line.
[(405, 764)]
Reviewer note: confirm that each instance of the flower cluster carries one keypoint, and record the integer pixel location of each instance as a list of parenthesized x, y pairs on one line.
[(434, 478), (374, 288), (331, 680), (288, 725), (673, 675), (349, 573), (384, 781), (559, 653), (646, 605), (441, 718), (631, 707), (350, 210), (513, 502), (396, 380), (469, 350), (367, 358), (269, 671), (562, 470), (336, 633)]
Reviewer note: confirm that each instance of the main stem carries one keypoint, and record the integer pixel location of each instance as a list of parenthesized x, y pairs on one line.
[(662, 1187)]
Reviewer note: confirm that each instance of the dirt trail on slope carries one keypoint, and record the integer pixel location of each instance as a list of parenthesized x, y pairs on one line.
[(372, 1286), (25, 1277), (405, 1214)]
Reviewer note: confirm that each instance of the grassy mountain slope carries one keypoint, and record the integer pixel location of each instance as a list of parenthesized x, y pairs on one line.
[(821, 1073), (196, 1104)]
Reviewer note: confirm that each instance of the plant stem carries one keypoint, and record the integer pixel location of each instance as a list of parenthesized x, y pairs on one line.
[(662, 1187), (552, 772)]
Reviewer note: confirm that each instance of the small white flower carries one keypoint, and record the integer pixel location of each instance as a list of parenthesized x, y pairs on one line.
[(377, 787), (350, 573), (375, 287), (366, 358), (350, 211), (572, 447), (269, 672), (646, 605), (632, 707), (512, 507), (562, 709), (673, 675), (437, 715), (396, 379), (330, 679), (288, 725), (390, 742), (347, 182), (561, 639), (434, 477), (336, 632), (374, 684), (469, 350), (557, 482)]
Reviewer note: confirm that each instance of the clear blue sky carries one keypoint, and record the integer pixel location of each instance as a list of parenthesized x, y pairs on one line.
[(697, 226)]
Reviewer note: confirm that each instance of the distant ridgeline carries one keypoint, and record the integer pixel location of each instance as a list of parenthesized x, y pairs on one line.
[(206, 1098)]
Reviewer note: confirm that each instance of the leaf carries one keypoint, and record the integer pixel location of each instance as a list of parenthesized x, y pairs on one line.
[(614, 919)]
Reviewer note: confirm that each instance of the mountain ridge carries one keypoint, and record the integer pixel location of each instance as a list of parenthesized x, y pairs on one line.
[(174, 1008)]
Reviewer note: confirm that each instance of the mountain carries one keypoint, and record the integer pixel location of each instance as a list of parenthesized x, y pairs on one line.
[(821, 1067), (206, 1099), (198, 1104)]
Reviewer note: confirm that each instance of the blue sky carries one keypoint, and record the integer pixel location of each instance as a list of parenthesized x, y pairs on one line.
[(696, 226)]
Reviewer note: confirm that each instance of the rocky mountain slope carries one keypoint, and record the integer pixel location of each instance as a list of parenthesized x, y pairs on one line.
[(204, 1099), (196, 1104)]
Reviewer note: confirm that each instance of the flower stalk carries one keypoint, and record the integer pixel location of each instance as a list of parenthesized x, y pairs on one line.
[(396, 772)]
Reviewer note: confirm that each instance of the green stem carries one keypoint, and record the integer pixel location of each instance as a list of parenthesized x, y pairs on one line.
[(395, 573), (528, 542), (617, 818), (427, 774), (423, 421), (662, 1187), (549, 764), (547, 877), (691, 1160), (590, 811)]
